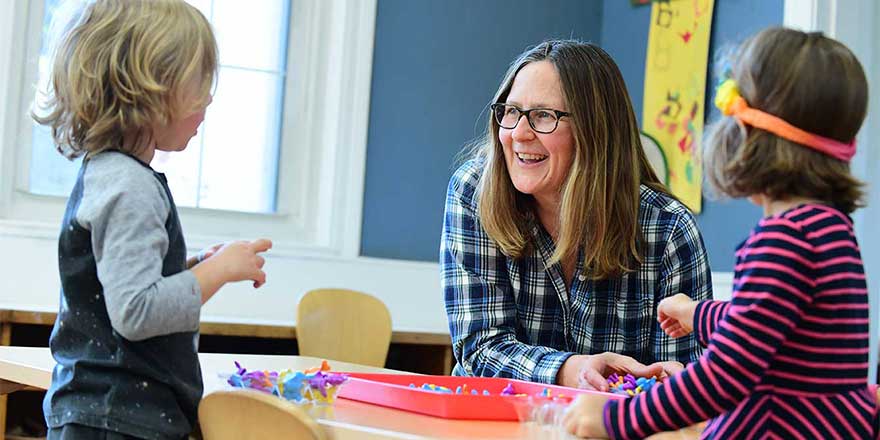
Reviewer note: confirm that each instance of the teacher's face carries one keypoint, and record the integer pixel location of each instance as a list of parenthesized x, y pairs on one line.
[(538, 163)]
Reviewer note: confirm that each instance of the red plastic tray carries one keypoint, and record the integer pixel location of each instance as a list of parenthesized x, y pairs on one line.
[(393, 391)]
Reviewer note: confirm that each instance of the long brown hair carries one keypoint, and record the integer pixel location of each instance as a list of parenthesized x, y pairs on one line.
[(599, 212), (812, 82)]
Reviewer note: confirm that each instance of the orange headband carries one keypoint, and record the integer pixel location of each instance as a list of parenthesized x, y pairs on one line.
[(729, 101)]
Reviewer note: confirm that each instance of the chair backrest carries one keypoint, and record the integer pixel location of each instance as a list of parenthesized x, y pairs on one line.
[(251, 415), (343, 325)]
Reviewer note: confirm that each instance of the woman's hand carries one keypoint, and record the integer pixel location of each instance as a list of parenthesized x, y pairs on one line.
[(669, 368), (585, 418), (591, 371), (676, 315)]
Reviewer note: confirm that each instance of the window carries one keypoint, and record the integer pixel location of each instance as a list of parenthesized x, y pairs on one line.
[(252, 37), (281, 152)]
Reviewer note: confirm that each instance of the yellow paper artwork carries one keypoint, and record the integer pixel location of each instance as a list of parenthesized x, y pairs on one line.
[(675, 91)]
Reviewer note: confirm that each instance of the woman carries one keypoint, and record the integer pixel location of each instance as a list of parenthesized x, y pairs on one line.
[(559, 241)]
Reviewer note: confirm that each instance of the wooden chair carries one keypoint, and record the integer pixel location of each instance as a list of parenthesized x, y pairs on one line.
[(251, 415), (343, 325)]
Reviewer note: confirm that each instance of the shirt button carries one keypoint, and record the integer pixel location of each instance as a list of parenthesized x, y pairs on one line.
[(582, 277)]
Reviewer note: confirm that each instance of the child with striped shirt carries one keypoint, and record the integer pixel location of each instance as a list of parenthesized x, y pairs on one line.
[(787, 357)]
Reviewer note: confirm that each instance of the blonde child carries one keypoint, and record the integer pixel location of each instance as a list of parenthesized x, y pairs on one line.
[(788, 356), (131, 77)]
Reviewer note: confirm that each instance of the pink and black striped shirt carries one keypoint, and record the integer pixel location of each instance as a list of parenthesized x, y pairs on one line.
[(787, 357)]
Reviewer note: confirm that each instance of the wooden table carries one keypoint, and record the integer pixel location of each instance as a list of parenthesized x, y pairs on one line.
[(32, 367), (9, 317)]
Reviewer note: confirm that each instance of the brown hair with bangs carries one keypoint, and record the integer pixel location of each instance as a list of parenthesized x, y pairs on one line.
[(599, 212), (812, 82), (121, 67)]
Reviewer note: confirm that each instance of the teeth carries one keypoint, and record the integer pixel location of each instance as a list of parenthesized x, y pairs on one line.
[(525, 156)]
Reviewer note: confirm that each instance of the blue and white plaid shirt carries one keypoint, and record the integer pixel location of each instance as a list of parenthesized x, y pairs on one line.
[(514, 318)]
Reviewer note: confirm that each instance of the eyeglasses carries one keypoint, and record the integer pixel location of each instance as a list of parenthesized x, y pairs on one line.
[(542, 120)]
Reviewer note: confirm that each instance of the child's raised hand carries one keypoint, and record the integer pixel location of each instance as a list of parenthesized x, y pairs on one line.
[(240, 260), (584, 416), (235, 261), (676, 315)]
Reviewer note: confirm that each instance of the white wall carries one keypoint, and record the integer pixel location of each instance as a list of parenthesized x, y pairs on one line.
[(29, 273), (410, 289), (854, 22), (858, 27)]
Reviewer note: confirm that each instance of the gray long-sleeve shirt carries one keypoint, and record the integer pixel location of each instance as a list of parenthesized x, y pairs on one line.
[(125, 207), (126, 335)]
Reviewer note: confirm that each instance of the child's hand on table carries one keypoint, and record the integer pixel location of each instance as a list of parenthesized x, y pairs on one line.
[(584, 416)]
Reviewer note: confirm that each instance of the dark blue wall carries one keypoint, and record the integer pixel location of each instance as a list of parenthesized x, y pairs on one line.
[(625, 36), (436, 66)]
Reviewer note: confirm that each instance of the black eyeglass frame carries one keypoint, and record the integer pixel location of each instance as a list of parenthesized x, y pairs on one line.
[(528, 114)]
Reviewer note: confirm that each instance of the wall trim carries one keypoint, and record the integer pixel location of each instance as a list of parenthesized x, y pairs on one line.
[(853, 22)]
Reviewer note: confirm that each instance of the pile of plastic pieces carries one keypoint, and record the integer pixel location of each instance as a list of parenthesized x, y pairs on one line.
[(630, 385), (315, 385)]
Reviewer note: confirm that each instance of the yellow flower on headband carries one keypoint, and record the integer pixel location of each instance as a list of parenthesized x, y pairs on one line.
[(725, 96)]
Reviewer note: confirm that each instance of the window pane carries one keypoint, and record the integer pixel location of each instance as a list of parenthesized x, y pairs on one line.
[(51, 173), (245, 45), (183, 171), (240, 157), (232, 163)]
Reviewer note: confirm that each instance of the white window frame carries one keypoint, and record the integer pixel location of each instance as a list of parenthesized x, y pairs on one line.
[(323, 138)]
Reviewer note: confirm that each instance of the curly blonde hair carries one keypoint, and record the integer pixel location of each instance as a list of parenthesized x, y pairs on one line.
[(122, 66)]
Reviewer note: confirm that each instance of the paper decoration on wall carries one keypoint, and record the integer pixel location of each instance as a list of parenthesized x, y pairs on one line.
[(655, 157), (675, 91)]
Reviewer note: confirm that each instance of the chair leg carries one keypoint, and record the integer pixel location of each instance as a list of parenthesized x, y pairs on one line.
[(447, 360), (5, 339)]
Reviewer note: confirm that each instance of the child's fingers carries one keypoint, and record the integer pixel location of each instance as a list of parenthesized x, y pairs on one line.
[(669, 326), (666, 325), (668, 322), (673, 331), (662, 316), (640, 370), (261, 245), (259, 279), (260, 262), (571, 423), (569, 417)]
